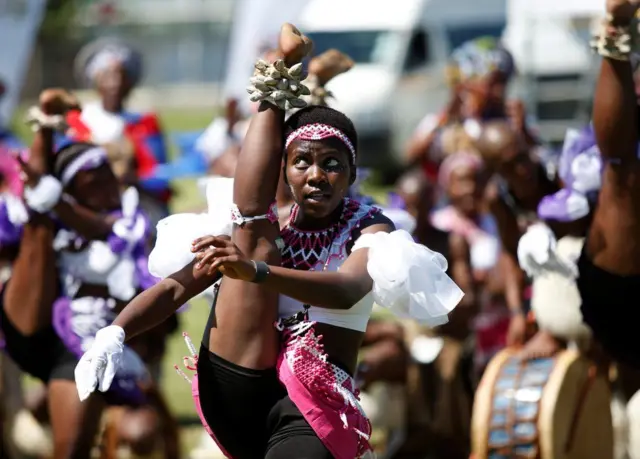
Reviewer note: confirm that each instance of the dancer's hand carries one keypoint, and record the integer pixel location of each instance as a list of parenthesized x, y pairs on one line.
[(57, 101), (293, 45), (219, 253), (99, 364), (623, 10), (517, 330)]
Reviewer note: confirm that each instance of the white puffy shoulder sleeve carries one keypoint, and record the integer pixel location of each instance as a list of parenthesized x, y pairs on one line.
[(172, 250), (409, 279)]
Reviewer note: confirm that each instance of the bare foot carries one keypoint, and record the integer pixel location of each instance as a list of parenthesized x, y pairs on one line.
[(329, 64), (542, 345), (293, 45)]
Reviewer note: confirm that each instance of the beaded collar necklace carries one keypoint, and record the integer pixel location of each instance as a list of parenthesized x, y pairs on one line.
[(305, 249)]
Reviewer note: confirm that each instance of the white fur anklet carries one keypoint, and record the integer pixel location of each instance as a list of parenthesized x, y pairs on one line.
[(278, 85), (45, 195)]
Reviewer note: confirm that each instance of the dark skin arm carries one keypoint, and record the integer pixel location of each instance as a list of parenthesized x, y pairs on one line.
[(615, 121), (419, 146), (615, 111), (88, 224), (33, 287), (461, 272), (514, 279), (326, 289), (157, 304)]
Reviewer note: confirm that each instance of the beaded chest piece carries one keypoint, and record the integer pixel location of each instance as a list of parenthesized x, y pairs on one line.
[(306, 250)]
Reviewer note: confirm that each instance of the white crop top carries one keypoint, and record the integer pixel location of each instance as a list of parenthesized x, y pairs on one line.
[(326, 250)]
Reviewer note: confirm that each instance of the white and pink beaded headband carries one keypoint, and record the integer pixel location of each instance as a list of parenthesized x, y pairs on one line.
[(319, 131)]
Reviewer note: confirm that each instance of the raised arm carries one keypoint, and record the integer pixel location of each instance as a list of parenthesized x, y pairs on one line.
[(155, 305), (32, 289), (260, 160), (615, 109)]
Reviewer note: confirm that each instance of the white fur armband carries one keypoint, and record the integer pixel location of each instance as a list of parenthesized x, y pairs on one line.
[(45, 195), (278, 85)]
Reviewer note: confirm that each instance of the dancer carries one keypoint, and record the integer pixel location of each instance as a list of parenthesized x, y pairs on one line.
[(609, 266), (27, 312), (555, 298), (26, 321), (475, 248), (520, 181), (133, 141), (479, 73), (302, 391)]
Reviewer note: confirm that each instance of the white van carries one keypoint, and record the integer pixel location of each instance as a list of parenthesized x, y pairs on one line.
[(549, 40), (400, 48)]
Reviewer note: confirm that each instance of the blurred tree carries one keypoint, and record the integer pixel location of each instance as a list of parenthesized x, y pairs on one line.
[(59, 18)]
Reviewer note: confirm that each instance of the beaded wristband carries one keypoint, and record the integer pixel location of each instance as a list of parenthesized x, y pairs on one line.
[(262, 271), (238, 219)]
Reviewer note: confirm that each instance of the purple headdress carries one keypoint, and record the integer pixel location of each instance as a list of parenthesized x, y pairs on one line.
[(580, 169)]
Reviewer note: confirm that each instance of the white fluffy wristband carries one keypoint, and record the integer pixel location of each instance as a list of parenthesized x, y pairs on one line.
[(45, 195)]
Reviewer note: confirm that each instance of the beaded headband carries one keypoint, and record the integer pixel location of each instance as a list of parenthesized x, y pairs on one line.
[(90, 159), (319, 131)]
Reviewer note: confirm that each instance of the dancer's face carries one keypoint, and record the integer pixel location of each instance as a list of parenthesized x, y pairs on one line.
[(96, 189), (465, 189), (114, 86), (417, 194), (319, 174)]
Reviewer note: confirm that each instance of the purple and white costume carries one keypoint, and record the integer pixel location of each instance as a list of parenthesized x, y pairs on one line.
[(120, 264)]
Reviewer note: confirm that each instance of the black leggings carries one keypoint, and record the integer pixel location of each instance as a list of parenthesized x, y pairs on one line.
[(250, 412), (42, 355), (611, 307)]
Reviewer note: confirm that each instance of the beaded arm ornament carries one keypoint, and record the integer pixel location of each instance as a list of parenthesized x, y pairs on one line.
[(616, 42), (278, 85)]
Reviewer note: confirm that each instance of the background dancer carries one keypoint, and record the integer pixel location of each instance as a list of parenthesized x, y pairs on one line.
[(520, 181), (88, 180), (133, 140), (26, 321), (609, 267)]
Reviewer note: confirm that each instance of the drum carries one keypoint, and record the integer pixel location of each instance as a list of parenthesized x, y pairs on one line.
[(551, 408)]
